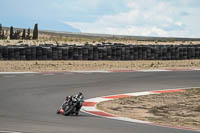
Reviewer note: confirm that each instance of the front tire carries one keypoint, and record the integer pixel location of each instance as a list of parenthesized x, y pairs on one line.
[(58, 111)]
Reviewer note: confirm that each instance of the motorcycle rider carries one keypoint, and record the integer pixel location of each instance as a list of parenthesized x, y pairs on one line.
[(80, 99), (77, 99)]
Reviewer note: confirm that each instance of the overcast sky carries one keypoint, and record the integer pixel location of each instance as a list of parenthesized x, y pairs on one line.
[(174, 18)]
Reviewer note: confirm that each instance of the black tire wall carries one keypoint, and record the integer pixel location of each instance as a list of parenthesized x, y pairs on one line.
[(100, 52)]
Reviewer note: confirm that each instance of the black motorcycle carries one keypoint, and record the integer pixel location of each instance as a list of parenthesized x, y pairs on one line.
[(69, 107)]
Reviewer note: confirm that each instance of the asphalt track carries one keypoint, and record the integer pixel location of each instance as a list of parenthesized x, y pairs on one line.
[(28, 102)]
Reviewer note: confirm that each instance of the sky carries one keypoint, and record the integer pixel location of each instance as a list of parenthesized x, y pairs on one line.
[(159, 18)]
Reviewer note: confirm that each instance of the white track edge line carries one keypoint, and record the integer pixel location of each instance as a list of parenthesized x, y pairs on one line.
[(18, 72), (9, 132)]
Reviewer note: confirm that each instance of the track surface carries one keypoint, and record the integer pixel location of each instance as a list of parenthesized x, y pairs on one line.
[(28, 102)]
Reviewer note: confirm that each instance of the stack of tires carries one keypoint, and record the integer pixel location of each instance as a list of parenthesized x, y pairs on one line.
[(100, 52)]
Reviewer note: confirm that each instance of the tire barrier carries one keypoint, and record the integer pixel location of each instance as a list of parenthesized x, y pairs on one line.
[(100, 52)]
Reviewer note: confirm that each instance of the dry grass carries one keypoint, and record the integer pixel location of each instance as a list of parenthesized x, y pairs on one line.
[(95, 65), (60, 38), (80, 40), (176, 109)]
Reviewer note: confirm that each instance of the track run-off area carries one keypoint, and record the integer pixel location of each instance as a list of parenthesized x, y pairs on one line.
[(28, 101)]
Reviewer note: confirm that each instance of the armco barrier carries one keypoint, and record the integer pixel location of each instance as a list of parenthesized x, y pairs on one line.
[(100, 52)]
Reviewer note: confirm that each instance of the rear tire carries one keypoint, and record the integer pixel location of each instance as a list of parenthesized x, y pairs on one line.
[(76, 113), (66, 114)]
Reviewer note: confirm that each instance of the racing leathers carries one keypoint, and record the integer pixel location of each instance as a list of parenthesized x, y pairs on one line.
[(80, 99)]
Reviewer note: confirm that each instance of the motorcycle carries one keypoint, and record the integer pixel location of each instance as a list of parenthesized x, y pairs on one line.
[(69, 107)]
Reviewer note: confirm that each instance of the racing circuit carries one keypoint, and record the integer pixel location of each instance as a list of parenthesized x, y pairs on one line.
[(28, 102)]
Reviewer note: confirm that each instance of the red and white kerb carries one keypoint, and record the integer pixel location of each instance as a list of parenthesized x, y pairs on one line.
[(89, 106)]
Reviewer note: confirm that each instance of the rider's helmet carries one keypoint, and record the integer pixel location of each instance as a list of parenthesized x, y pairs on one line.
[(80, 94)]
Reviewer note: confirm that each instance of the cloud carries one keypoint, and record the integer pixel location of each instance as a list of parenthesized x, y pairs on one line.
[(102, 28), (129, 17), (159, 20)]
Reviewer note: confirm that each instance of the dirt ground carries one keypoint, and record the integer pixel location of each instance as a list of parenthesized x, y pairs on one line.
[(176, 109), (81, 41), (42, 66)]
